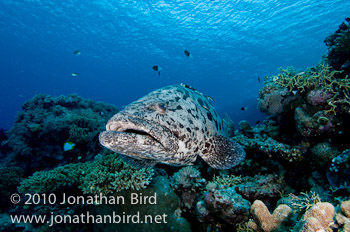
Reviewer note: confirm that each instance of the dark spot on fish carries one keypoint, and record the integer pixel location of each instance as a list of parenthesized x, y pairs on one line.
[(207, 145), (195, 150), (188, 129), (205, 151), (190, 121), (196, 128), (176, 133), (181, 126), (210, 117), (182, 137), (177, 99), (179, 107), (200, 102)]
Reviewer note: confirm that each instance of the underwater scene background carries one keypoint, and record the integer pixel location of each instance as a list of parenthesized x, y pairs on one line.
[(277, 72)]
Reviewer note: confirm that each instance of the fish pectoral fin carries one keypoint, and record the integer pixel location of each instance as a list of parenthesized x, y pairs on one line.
[(138, 163), (222, 153)]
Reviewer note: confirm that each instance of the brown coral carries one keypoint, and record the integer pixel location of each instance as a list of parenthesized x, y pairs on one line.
[(318, 217), (266, 222), (345, 208)]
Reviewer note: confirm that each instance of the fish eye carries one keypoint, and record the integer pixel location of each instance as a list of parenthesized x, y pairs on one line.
[(160, 107)]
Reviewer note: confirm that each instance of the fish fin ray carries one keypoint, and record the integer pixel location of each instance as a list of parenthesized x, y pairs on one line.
[(222, 153)]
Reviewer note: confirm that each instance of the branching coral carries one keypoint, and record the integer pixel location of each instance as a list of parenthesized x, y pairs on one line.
[(227, 181), (306, 201), (105, 175), (187, 177), (322, 77)]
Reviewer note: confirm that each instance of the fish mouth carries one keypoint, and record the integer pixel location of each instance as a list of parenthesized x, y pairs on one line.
[(134, 130), (133, 136)]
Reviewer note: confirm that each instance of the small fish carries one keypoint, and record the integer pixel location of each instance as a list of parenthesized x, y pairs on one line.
[(68, 146), (205, 107), (295, 92), (77, 52), (301, 73), (244, 108), (188, 86), (157, 68), (257, 122), (75, 74), (187, 53), (210, 98), (259, 79)]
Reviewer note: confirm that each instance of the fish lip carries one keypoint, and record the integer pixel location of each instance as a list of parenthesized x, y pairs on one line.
[(161, 134)]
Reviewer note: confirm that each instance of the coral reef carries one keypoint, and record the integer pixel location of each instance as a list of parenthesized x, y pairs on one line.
[(10, 178), (339, 171), (343, 217), (263, 220), (187, 183), (223, 205), (106, 174), (338, 48), (318, 218), (167, 204), (46, 123)]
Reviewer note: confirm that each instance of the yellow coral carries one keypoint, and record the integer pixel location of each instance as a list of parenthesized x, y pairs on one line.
[(321, 76), (306, 201)]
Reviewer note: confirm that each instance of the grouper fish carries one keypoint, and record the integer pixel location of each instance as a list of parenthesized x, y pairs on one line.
[(172, 125)]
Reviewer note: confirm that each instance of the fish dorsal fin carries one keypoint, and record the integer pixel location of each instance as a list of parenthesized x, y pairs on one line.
[(222, 153)]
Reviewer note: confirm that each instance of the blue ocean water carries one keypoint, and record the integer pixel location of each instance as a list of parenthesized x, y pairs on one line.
[(232, 44)]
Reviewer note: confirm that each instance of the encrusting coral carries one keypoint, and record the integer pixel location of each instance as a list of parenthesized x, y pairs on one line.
[(104, 175)]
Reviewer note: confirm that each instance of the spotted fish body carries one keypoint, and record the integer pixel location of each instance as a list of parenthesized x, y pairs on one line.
[(172, 125)]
